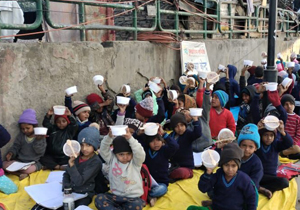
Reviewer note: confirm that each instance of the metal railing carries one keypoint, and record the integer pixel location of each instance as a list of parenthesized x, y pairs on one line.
[(220, 23)]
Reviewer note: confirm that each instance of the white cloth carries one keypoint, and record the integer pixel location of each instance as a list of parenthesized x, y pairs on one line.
[(250, 7), (10, 13)]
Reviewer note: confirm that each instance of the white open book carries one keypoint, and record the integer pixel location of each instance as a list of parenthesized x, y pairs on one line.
[(16, 166), (49, 195)]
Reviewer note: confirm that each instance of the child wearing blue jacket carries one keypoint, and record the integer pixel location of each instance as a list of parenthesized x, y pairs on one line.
[(232, 188), (183, 160), (6, 185), (272, 143), (159, 149)]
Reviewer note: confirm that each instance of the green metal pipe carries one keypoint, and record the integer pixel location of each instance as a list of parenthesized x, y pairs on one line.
[(205, 20), (36, 24), (118, 6), (92, 26), (82, 20)]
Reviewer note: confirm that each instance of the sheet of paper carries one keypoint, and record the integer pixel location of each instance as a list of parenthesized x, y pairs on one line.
[(16, 166), (55, 176), (53, 199), (197, 159)]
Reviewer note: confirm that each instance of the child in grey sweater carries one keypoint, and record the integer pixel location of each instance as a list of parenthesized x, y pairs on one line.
[(27, 147), (81, 172)]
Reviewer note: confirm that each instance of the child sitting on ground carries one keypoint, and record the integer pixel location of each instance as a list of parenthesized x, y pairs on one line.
[(125, 179), (219, 116), (249, 142), (27, 147), (292, 127), (183, 160), (232, 189), (7, 186), (159, 149), (81, 172), (272, 143), (81, 111), (144, 109), (64, 128), (100, 110)]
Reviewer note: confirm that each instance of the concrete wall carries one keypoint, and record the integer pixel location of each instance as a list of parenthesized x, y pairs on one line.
[(35, 75)]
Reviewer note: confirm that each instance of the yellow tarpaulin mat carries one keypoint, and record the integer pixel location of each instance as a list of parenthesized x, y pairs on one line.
[(180, 195), (286, 160)]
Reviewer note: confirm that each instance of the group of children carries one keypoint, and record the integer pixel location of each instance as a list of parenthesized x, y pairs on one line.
[(163, 135)]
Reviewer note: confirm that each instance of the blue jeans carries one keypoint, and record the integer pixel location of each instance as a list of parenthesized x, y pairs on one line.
[(158, 191)]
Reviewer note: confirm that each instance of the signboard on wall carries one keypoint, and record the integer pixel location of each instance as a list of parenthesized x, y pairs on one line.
[(194, 57)]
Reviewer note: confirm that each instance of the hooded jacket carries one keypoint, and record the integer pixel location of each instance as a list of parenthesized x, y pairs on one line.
[(249, 113), (234, 86)]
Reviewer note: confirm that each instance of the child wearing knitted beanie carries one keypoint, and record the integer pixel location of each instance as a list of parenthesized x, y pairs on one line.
[(219, 116), (183, 161), (81, 171), (81, 112), (232, 188), (125, 179), (144, 110), (99, 112), (27, 146), (7, 186), (292, 127), (249, 142), (272, 143), (64, 128)]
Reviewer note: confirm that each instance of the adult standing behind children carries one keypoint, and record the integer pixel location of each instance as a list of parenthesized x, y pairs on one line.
[(125, 163)]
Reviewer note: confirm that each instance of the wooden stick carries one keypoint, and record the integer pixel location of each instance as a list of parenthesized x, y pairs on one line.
[(70, 145), (212, 158), (229, 139)]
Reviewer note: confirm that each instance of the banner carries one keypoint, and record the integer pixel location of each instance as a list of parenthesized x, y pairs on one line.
[(194, 57)]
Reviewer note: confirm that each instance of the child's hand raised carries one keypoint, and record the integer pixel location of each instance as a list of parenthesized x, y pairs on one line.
[(128, 135), (68, 112), (72, 161), (161, 130), (8, 156), (209, 170), (281, 128), (122, 108), (260, 124), (110, 133), (50, 112)]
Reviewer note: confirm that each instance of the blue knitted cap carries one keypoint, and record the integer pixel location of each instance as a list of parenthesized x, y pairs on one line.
[(223, 97), (90, 135), (250, 132)]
